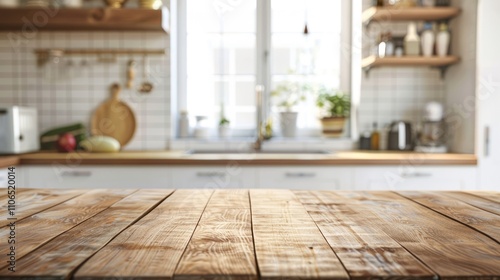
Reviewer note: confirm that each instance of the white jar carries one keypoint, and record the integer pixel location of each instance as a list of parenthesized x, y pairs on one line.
[(184, 125), (427, 40), (443, 40)]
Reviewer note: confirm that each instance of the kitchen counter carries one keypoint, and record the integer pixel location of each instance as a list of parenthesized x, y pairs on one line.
[(6, 161), (254, 234), (183, 158)]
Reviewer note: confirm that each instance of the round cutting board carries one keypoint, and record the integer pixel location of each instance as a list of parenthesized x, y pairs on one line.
[(114, 118)]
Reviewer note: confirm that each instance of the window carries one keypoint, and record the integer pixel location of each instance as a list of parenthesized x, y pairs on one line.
[(224, 40)]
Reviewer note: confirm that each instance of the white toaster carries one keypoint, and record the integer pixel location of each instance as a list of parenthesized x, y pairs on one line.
[(18, 130)]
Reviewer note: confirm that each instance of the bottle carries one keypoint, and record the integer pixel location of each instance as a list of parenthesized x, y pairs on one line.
[(389, 45), (183, 124), (427, 39), (381, 45), (443, 40), (375, 138), (412, 41)]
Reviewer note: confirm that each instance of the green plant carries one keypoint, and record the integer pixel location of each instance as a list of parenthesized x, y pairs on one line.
[(224, 121), (334, 103), (290, 94)]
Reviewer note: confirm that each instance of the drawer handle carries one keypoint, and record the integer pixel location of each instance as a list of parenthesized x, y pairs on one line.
[(300, 174), (210, 174), (76, 174), (416, 175)]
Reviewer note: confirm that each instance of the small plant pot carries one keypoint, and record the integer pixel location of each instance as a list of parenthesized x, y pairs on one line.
[(224, 131), (333, 126), (288, 122)]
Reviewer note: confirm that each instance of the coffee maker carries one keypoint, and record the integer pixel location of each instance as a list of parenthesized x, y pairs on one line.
[(432, 136)]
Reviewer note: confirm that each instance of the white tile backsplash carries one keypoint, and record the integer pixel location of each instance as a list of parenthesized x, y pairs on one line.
[(72, 93)]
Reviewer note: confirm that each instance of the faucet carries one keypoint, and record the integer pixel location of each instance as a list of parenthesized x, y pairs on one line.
[(259, 90)]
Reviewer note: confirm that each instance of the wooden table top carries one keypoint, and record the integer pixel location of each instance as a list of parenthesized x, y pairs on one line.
[(252, 234)]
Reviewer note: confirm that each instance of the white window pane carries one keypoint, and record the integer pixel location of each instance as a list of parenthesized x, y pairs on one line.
[(244, 94), (215, 16)]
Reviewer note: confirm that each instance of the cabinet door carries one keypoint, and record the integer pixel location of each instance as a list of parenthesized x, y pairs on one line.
[(428, 178), (143, 177), (3, 178), (488, 95), (305, 178), (216, 177)]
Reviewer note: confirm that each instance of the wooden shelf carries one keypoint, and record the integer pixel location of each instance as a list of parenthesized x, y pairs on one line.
[(408, 14), (93, 19), (434, 61)]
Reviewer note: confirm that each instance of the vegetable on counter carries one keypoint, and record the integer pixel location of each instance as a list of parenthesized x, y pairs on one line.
[(49, 140), (101, 144), (66, 143)]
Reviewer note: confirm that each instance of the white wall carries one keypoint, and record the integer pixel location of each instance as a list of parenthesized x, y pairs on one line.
[(460, 81), (71, 94)]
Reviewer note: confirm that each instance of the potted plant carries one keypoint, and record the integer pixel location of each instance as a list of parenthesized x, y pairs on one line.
[(287, 95), (335, 107), (223, 124)]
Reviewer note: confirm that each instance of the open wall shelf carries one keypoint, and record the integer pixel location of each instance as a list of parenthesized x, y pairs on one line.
[(91, 19), (409, 14), (434, 61)]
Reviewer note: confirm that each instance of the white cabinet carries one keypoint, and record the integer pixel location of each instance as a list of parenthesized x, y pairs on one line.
[(488, 95), (213, 177), (3, 178), (59, 176), (305, 178), (419, 178)]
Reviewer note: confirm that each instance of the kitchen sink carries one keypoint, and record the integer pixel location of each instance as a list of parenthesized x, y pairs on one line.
[(204, 152)]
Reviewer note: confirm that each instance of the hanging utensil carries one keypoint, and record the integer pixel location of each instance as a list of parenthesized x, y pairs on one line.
[(130, 73), (146, 86)]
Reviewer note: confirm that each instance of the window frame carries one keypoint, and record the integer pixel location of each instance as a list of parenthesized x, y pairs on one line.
[(263, 67)]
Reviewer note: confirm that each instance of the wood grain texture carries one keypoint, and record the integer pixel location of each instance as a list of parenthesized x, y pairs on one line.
[(32, 201), (389, 13), (61, 256), (114, 118), (7, 161), (491, 195), (365, 250), (222, 244), (483, 221), (476, 201), (250, 159), (97, 19), (60, 218), (151, 248), (451, 249), (289, 245)]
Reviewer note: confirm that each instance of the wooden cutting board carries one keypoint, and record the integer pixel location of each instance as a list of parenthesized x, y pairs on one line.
[(114, 118)]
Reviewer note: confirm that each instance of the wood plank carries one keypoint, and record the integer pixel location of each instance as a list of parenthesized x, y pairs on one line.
[(97, 19), (408, 13), (8, 161), (222, 244), (61, 256), (483, 221), (60, 218), (364, 249), (449, 248), (476, 201), (33, 201), (491, 195), (433, 61), (151, 248), (293, 248)]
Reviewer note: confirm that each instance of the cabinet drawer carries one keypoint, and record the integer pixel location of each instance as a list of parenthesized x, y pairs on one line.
[(305, 178), (218, 177), (415, 178), (98, 177)]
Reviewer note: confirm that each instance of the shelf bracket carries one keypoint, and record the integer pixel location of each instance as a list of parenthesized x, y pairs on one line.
[(366, 70)]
